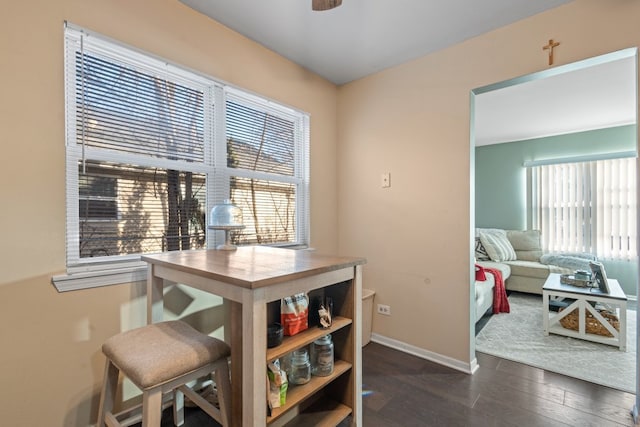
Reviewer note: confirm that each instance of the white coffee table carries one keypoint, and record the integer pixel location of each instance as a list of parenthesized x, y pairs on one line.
[(615, 299)]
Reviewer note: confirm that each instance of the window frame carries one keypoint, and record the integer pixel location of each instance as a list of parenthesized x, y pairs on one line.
[(99, 271)]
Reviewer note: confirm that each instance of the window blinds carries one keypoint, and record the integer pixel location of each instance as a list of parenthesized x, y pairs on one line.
[(587, 207), (267, 178), (151, 147)]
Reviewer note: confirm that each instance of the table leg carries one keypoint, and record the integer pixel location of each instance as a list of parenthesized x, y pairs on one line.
[(582, 317), (155, 303), (623, 326), (254, 358), (235, 341), (545, 312)]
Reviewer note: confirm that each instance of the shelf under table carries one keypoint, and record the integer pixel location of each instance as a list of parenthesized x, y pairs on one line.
[(297, 394), (305, 337)]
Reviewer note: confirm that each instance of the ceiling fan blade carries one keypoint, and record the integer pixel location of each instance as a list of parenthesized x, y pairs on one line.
[(320, 5)]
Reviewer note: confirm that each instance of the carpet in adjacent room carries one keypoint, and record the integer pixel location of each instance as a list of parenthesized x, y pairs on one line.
[(518, 336)]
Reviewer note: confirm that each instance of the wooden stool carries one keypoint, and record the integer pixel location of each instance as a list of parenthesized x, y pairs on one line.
[(164, 357)]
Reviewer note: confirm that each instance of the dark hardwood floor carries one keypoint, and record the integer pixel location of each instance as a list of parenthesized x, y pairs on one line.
[(401, 390), (409, 391)]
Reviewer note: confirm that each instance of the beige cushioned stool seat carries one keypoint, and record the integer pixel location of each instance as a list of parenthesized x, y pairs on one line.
[(159, 352), (160, 358)]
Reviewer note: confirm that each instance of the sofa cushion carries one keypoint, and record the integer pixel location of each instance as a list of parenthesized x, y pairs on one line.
[(484, 296), (526, 244), (504, 268), (498, 246), (534, 269)]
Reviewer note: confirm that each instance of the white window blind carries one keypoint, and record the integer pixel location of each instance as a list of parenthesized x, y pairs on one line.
[(151, 147), (587, 207), (267, 176)]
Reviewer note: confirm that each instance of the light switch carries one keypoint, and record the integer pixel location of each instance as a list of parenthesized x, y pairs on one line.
[(386, 180)]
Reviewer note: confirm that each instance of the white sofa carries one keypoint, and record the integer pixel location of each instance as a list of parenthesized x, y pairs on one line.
[(519, 256), (484, 288)]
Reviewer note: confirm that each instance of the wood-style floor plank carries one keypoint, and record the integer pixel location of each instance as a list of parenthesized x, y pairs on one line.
[(601, 408), (402, 390)]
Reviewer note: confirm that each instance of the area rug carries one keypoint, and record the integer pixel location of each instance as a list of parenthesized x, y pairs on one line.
[(518, 336)]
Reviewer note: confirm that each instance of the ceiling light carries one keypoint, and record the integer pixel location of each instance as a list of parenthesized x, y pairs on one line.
[(320, 5)]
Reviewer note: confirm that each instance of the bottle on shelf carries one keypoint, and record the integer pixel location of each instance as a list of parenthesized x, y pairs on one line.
[(300, 368), (322, 356)]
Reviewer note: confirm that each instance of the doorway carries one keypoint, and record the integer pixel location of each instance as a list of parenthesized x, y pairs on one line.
[(513, 122)]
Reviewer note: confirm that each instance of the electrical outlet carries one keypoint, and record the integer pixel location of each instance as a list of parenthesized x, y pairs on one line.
[(384, 309), (385, 180)]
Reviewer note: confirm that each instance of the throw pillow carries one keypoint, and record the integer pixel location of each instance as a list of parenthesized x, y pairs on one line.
[(498, 247), (526, 244), (527, 240), (481, 252)]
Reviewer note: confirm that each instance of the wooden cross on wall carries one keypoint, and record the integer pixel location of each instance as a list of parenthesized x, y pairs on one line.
[(550, 47)]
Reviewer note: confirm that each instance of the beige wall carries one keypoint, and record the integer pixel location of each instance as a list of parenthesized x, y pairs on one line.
[(413, 121), (50, 360)]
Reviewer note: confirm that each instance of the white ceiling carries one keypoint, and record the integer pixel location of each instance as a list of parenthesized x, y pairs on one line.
[(594, 97), (362, 37)]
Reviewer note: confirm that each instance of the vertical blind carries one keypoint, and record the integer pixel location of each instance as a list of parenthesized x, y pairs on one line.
[(587, 207), (151, 147)]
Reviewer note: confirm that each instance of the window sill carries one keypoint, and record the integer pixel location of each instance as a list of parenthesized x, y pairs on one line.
[(97, 278)]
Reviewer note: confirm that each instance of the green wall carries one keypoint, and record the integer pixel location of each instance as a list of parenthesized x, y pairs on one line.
[(501, 181)]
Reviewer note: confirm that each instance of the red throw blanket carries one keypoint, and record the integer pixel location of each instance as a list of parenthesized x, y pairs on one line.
[(500, 301)]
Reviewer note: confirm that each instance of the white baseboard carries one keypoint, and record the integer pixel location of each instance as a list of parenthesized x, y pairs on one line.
[(474, 366), (467, 368)]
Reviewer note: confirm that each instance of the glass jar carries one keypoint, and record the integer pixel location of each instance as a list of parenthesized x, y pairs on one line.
[(322, 356), (300, 368), (285, 364)]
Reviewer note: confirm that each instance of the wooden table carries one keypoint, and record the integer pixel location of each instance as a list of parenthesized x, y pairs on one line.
[(249, 278), (583, 296)]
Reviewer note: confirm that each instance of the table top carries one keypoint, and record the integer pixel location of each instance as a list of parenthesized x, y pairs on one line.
[(553, 284), (252, 266)]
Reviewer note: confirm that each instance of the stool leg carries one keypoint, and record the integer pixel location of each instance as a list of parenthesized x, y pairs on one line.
[(224, 392), (108, 394), (152, 407), (178, 407)]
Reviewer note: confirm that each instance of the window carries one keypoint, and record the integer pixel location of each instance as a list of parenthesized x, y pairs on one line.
[(587, 207), (98, 198), (152, 147), (264, 182)]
